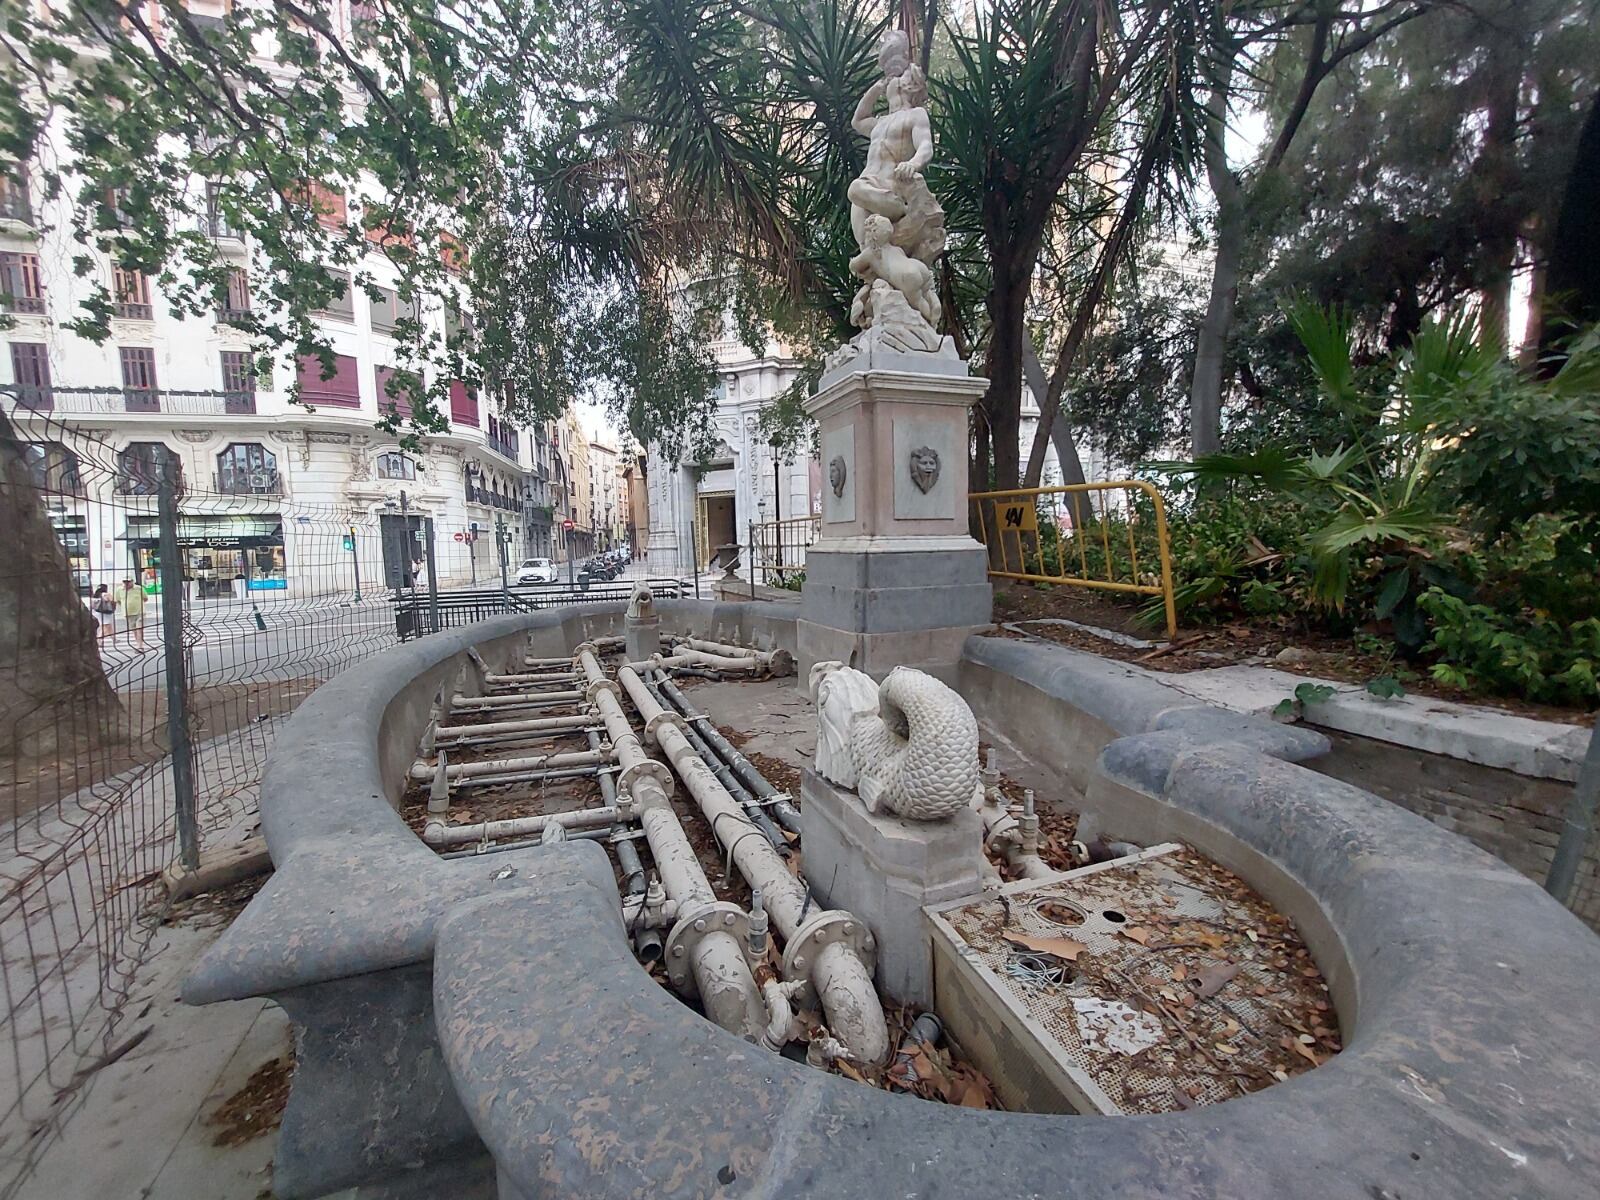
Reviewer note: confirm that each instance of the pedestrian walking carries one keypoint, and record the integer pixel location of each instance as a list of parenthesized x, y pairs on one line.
[(103, 606), (133, 611)]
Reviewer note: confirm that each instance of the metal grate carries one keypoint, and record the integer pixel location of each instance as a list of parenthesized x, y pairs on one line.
[(1125, 1032)]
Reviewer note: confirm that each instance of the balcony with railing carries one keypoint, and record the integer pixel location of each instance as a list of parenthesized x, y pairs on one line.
[(490, 499), (110, 401)]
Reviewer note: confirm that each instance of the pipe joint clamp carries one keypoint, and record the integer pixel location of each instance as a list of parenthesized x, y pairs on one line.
[(648, 768), (823, 930), (719, 916), (664, 717)]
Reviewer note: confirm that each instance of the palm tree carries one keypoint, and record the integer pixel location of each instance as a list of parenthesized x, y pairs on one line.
[(744, 107)]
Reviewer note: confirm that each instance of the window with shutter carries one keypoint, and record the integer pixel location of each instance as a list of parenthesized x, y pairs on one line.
[(30, 371), (139, 392)]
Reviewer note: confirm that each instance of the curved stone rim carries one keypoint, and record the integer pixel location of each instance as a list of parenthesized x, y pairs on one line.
[(1469, 1054)]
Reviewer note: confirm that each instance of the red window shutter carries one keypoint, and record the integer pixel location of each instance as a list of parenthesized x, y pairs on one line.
[(463, 404), (401, 399), (342, 391)]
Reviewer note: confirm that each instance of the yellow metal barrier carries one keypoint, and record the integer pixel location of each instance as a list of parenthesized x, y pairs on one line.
[(1080, 517)]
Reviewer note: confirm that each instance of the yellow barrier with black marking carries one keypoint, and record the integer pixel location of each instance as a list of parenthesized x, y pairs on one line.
[(1074, 543)]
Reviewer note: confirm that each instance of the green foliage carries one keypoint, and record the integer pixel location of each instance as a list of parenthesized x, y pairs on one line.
[(1460, 522), (1304, 694), (1522, 653)]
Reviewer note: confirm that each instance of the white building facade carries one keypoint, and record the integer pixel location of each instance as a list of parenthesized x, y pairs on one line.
[(277, 497), (697, 509)]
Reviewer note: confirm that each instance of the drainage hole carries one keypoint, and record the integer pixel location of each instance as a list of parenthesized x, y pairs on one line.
[(1113, 916)]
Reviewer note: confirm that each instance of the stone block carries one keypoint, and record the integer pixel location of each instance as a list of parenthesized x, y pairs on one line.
[(886, 869), (936, 650), (641, 638)]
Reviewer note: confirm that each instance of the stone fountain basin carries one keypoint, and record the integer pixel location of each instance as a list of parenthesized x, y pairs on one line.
[(448, 1007)]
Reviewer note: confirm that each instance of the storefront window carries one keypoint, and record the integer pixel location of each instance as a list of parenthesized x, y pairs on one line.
[(224, 557)]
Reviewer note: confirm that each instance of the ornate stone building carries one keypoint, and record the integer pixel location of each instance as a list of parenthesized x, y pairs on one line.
[(696, 509)]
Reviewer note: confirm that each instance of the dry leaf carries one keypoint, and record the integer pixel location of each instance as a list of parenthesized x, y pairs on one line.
[(848, 1071), (1306, 1053), (1224, 1048), (1065, 948), (1208, 981), (1180, 972), (973, 1098), (1137, 933)]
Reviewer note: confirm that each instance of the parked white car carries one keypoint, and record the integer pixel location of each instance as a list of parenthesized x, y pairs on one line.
[(536, 570)]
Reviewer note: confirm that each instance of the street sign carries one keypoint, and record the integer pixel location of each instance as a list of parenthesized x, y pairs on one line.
[(460, 537), (568, 524), (1020, 515)]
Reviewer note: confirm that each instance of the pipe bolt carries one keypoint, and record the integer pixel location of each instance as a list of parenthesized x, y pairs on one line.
[(699, 926), (727, 918), (849, 928), (677, 952)]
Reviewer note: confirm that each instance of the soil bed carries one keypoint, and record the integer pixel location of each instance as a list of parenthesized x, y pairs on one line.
[(1199, 648)]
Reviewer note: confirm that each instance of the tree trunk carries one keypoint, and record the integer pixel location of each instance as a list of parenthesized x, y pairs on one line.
[(1497, 170), (1205, 388), (1003, 401), (54, 696), (1205, 395)]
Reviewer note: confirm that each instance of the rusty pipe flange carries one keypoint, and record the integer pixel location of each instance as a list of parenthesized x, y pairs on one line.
[(659, 771), (719, 916), (577, 651), (832, 925), (664, 717), (602, 685)]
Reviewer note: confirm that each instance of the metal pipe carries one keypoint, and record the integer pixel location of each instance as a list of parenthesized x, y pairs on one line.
[(728, 780), (698, 658), (627, 852), (437, 833), (826, 949), (1577, 824), (577, 835), (528, 725), (500, 766), (722, 978), (782, 808), (524, 777), (777, 662), (1008, 836), (538, 679), (515, 700)]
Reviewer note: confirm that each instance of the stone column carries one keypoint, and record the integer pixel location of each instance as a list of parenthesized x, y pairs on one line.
[(894, 578)]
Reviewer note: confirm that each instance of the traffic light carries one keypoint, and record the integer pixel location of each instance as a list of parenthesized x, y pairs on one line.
[(350, 539)]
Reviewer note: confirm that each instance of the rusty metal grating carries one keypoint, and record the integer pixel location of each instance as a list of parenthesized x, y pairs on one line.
[(1123, 1028)]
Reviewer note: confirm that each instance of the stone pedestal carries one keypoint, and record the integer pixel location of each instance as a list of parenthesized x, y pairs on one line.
[(894, 579), (885, 869), (641, 637)]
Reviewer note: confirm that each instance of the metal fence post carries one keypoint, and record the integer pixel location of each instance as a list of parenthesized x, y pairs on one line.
[(433, 574), (500, 541), (752, 525), (1577, 827), (170, 574)]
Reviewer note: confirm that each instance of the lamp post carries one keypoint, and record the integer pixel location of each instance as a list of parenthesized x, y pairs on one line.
[(777, 503)]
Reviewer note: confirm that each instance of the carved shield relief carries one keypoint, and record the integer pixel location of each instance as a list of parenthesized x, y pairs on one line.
[(837, 474)]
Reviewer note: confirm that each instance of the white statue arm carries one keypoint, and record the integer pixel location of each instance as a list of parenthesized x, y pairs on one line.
[(863, 122), (922, 139)]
